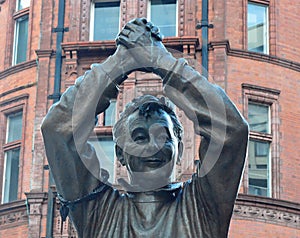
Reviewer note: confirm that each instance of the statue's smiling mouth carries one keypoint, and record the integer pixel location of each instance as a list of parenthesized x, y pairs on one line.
[(153, 162)]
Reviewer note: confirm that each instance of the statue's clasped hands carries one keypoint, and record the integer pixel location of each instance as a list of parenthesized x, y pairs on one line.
[(143, 42)]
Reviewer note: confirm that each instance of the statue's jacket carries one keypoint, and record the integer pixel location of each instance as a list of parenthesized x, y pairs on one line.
[(200, 207)]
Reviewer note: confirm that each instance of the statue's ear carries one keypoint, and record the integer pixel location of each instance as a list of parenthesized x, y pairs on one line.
[(120, 154), (180, 152)]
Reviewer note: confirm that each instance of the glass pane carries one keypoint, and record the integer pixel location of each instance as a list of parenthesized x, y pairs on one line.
[(106, 22), (259, 168), (21, 38), (11, 175), (258, 118), (23, 4), (110, 114), (163, 14), (257, 28), (104, 147), (14, 127)]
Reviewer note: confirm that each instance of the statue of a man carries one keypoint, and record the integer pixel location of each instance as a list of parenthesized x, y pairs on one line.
[(148, 140)]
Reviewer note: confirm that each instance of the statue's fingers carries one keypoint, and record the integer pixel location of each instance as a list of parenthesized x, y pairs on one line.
[(157, 36), (137, 28), (155, 30), (123, 40), (125, 32), (140, 21), (149, 26)]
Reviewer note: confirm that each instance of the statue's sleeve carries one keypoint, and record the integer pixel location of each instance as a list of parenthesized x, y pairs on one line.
[(66, 130), (224, 137)]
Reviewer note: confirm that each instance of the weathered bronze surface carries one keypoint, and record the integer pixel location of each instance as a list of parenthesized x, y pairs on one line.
[(148, 142)]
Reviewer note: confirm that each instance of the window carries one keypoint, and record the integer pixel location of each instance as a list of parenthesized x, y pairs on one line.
[(108, 117), (261, 110), (21, 4), (110, 114), (105, 17), (163, 13), (12, 157), (259, 151), (102, 140), (258, 27), (104, 146), (258, 117), (21, 37), (21, 18)]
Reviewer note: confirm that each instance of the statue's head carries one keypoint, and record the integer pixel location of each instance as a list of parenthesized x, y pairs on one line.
[(148, 140)]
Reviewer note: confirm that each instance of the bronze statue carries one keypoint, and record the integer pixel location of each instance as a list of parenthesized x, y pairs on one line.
[(148, 142)]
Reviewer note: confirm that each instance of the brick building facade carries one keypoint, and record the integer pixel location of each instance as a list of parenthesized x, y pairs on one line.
[(253, 53)]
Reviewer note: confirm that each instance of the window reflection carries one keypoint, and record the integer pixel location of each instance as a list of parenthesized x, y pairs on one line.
[(259, 167), (163, 15), (258, 117), (106, 20), (257, 28)]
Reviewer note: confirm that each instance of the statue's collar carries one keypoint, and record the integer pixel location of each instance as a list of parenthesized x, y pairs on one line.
[(163, 194)]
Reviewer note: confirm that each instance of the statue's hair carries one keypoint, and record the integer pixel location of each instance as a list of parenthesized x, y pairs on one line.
[(146, 104)]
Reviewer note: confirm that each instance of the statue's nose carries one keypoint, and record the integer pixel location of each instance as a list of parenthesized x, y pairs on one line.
[(153, 147)]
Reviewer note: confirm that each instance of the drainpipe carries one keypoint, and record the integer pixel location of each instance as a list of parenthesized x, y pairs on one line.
[(59, 30), (204, 25)]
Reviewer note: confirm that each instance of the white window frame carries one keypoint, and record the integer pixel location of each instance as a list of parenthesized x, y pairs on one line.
[(176, 19), (12, 145), (92, 16), (266, 39), (4, 194), (3, 177)]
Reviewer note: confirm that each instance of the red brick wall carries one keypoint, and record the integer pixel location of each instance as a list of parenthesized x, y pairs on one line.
[(287, 81), (287, 34), (27, 80), (15, 232), (3, 28), (230, 23), (19, 80), (253, 229)]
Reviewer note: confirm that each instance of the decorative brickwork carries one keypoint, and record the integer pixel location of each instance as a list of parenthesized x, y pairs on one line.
[(142, 12), (84, 24), (13, 214), (35, 202), (267, 210), (123, 12)]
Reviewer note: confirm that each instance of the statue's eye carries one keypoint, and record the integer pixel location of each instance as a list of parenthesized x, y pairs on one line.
[(140, 139), (160, 134), (140, 136)]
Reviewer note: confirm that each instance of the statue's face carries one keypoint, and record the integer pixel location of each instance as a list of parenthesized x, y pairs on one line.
[(152, 147)]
